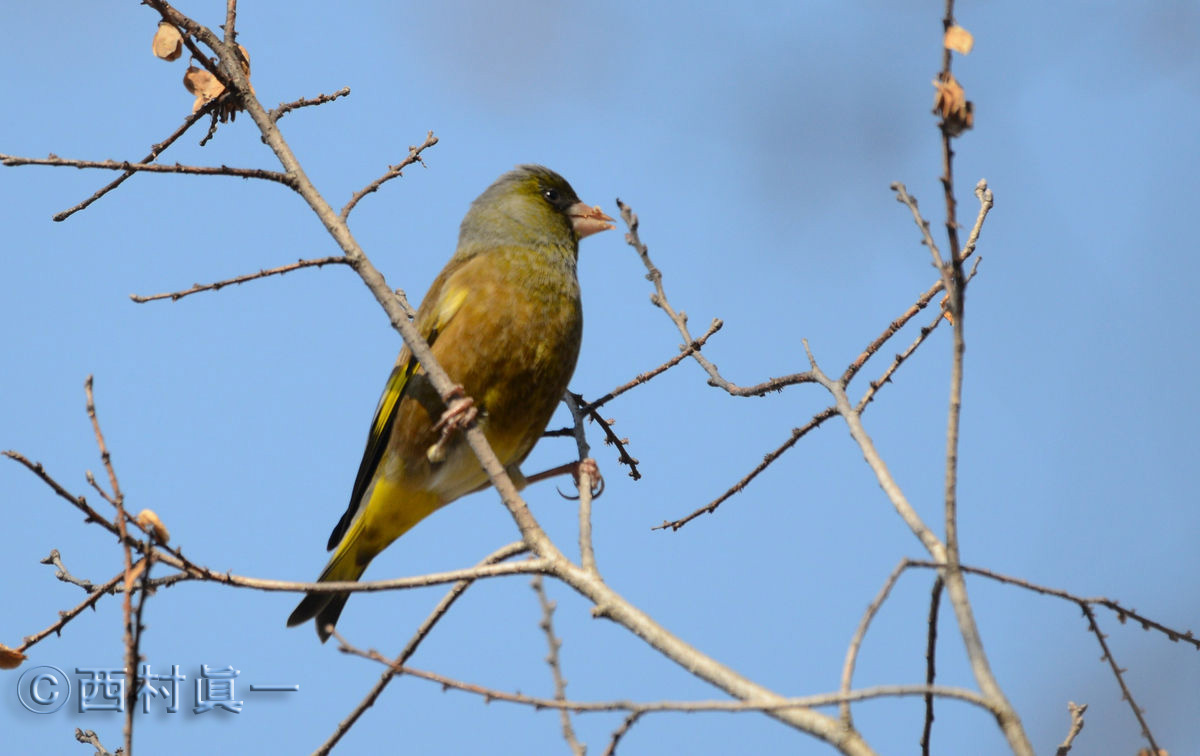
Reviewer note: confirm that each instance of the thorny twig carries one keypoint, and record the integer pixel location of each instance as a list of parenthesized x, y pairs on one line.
[(554, 644), (394, 171), (279, 111), (218, 285)]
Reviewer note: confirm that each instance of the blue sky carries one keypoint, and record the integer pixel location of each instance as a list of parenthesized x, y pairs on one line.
[(757, 149)]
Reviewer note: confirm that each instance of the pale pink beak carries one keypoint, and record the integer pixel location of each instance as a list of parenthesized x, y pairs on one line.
[(588, 220)]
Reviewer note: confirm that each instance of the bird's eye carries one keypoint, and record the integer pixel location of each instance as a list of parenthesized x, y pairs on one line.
[(551, 195)]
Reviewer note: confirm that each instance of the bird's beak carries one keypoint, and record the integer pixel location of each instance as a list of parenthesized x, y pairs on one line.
[(588, 220)]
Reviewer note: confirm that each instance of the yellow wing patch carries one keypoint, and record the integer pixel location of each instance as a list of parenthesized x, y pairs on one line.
[(449, 305)]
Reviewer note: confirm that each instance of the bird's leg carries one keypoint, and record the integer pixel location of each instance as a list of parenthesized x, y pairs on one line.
[(588, 466), (460, 412)]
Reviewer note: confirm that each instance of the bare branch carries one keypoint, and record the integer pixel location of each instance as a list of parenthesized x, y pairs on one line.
[(89, 737), (62, 573), (279, 111), (125, 165), (177, 295), (659, 299), (1119, 673), (623, 455), (935, 600), (554, 644), (907, 199), (751, 705), (394, 171), (586, 476), (70, 614), (155, 151), (1076, 711), (861, 632), (118, 501), (620, 733), (641, 378)]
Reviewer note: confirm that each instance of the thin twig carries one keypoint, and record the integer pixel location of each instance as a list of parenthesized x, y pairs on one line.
[(641, 378), (118, 502), (751, 705), (1076, 711), (872, 389), (177, 295), (1119, 673), (70, 614), (125, 165), (680, 318), (89, 737), (817, 420), (393, 171), (155, 151), (986, 202), (584, 483), (554, 644), (620, 733), (1123, 614), (860, 633), (908, 200), (62, 573), (174, 557), (131, 688), (623, 455), (935, 600), (279, 111), (230, 19), (768, 458)]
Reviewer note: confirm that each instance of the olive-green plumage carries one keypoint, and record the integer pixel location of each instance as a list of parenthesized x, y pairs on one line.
[(504, 319)]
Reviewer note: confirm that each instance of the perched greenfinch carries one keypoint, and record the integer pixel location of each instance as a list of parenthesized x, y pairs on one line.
[(505, 321)]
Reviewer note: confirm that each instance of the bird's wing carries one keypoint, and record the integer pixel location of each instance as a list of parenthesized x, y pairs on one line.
[(431, 324)]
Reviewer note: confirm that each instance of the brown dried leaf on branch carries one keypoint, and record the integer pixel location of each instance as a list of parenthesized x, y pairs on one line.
[(951, 105), (959, 40), (151, 524), (10, 658), (202, 84), (168, 42), (207, 87)]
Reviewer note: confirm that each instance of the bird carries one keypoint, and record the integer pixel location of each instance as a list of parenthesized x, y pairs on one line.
[(504, 319)]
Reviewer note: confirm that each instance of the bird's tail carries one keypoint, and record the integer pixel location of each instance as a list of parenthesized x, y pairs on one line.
[(345, 564)]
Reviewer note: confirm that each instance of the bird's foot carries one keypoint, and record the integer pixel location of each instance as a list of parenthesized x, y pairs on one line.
[(589, 469), (460, 412), (577, 470)]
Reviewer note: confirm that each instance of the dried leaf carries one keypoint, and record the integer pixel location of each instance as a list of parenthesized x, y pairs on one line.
[(946, 309), (202, 84), (950, 103), (150, 523), (10, 658), (959, 40), (168, 42), (245, 59)]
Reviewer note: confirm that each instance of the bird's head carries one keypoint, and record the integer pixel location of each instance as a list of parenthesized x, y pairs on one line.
[(530, 204)]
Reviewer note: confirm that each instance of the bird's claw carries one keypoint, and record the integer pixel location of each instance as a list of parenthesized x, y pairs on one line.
[(592, 470), (460, 412)]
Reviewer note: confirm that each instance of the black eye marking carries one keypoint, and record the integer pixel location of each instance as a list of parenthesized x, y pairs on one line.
[(551, 195)]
